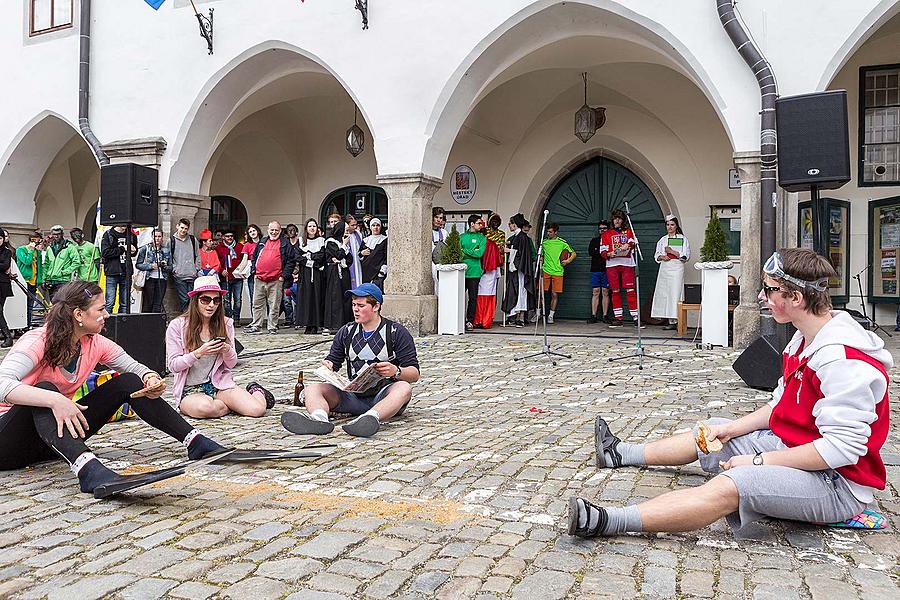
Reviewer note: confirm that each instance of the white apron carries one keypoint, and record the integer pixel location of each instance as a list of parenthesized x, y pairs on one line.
[(669, 290)]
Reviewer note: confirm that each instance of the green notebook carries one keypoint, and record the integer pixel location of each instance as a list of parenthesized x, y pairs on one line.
[(676, 242)]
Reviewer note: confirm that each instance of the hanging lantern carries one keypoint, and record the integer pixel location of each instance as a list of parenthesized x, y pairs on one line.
[(588, 120), (356, 139)]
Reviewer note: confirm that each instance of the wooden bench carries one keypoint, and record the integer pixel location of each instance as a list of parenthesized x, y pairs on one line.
[(683, 309)]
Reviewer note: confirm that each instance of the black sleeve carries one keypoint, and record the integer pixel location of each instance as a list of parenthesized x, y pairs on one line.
[(109, 250), (594, 247), (404, 347), (288, 259), (5, 260), (336, 354)]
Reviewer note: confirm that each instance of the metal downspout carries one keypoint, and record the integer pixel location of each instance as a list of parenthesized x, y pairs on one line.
[(84, 84), (768, 133)]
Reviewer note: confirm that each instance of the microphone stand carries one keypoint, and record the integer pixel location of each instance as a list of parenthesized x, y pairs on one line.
[(639, 351), (539, 289), (862, 301)]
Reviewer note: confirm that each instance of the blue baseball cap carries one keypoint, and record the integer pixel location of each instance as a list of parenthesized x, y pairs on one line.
[(366, 289)]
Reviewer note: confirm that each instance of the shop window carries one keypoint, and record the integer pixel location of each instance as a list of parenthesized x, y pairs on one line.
[(879, 125), (50, 15)]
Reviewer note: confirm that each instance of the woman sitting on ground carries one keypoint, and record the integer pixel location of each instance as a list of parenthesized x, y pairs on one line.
[(200, 352), (44, 369)]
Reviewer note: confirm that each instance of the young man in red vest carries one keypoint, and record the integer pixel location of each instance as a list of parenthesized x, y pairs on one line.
[(811, 454)]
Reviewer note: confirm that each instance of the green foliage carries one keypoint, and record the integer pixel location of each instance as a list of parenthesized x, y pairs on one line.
[(453, 254), (715, 248)]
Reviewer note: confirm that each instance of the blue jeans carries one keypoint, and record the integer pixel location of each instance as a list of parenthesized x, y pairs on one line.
[(232, 299), (183, 286), (112, 283)]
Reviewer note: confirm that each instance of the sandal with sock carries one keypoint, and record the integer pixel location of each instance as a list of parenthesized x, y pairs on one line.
[(605, 453), (586, 519)]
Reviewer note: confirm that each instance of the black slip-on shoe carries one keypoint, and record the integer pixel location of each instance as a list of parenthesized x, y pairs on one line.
[(580, 510), (305, 425), (254, 387), (362, 426)]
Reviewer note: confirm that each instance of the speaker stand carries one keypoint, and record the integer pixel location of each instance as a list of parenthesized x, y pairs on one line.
[(862, 301)]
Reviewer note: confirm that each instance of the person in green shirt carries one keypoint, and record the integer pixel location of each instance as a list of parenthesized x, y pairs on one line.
[(61, 260), (89, 256), (473, 244), (557, 254), (31, 268)]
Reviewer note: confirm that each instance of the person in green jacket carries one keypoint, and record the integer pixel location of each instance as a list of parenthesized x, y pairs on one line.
[(61, 261), (473, 245), (30, 261), (89, 256)]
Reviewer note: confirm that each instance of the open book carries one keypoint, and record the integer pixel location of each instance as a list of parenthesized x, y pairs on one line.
[(365, 379)]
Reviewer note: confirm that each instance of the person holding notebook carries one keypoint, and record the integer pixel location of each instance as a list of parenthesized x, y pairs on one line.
[(672, 251)]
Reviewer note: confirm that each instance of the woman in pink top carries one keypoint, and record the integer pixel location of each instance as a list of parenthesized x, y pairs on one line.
[(45, 368), (200, 352)]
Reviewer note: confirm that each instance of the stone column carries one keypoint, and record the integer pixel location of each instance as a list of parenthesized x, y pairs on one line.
[(409, 296), (746, 314), (174, 206), (144, 151)]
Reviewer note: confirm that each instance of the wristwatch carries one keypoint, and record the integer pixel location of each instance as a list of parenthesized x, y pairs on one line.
[(758, 459), (397, 374)]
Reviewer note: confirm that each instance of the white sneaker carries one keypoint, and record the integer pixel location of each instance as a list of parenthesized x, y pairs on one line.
[(550, 319)]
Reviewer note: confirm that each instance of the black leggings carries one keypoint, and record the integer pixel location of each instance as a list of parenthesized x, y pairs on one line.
[(28, 434), (4, 328)]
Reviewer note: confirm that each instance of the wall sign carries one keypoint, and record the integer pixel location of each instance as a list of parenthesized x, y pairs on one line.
[(734, 182), (462, 184)]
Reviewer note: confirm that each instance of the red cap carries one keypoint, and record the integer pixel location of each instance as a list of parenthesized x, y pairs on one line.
[(206, 234)]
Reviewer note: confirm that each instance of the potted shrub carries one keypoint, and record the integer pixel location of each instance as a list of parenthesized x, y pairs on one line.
[(714, 267), (451, 287)]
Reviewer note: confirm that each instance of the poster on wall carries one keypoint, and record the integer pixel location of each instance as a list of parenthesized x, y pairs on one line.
[(834, 225), (884, 248), (462, 184)]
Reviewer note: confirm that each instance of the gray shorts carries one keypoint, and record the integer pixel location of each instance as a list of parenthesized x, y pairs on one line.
[(780, 492)]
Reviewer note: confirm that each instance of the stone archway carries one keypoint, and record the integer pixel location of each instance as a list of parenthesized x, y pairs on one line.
[(583, 197)]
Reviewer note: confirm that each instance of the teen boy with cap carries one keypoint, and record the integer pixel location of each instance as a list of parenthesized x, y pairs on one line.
[(369, 339)]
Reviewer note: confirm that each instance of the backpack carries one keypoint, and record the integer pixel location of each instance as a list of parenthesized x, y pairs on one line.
[(355, 328)]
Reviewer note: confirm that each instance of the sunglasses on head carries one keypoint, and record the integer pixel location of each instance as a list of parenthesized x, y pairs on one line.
[(207, 299), (775, 268)]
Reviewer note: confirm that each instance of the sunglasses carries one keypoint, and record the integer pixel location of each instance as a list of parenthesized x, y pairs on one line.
[(217, 300), (768, 289)]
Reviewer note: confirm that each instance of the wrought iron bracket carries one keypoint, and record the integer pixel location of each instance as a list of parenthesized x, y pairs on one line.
[(206, 28), (363, 7)]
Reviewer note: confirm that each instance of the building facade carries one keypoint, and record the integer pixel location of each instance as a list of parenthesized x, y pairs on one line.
[(255, 131)]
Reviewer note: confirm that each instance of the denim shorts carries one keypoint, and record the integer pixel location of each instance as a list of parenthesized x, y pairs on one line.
[(356, 404), (599, 280)]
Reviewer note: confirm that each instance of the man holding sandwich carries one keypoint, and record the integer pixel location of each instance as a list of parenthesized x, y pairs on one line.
[(811, 454)]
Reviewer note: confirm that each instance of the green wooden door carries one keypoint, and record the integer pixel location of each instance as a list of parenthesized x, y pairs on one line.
[(581, 200)]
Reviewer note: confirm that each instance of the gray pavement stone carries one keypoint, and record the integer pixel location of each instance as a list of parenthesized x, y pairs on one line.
[(659, 581), (329, 545), (331, 582), (148, 589), (256, 587), (92, 588), (316, 595), (387, 585), (267, 531), (289, 569), (429, 582), (193, 590), (551, 585)]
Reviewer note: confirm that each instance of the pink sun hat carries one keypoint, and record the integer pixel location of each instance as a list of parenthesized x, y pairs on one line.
[(206, 283)]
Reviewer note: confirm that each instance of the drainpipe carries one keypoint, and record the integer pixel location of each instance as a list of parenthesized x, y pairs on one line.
[(84, 84), (768, 134)]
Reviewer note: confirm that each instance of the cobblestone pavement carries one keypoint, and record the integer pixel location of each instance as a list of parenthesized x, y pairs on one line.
[(464, 497)]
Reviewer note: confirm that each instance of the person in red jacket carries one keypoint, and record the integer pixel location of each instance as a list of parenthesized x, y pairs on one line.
[(619, 244), (813, 453), (230, 253)]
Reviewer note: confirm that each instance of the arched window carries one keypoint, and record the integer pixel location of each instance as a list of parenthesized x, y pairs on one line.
[(228, 213), (356, 200)]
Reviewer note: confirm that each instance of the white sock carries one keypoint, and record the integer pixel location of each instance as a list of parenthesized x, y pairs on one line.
[(319, 415), (374, 413), (82, 460), (190, 437), (552, 312)]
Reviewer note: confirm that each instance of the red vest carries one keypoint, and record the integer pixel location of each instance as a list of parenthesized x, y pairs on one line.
[(792, 418)]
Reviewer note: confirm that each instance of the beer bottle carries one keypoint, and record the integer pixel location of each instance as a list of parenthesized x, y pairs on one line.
[(298, 390)]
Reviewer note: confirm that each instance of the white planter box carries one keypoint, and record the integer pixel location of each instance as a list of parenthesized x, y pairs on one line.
[(714, 306), (451, 299)]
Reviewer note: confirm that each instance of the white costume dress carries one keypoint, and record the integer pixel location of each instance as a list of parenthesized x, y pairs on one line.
[(670, 280)]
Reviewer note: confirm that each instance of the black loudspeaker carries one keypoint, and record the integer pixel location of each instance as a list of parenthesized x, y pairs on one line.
[(129, 193), (142, 335), (759, 365), (813, 141)]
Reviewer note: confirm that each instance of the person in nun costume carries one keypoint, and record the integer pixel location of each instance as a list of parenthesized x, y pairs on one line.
[(311, 285), (337, 279), (373, 254), (520, 260)]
